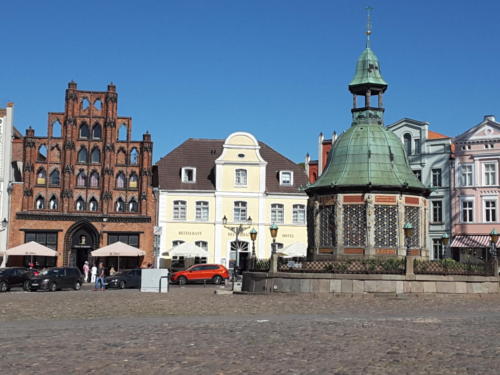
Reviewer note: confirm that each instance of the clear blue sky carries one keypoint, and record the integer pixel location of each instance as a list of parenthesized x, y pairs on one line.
[(278, 69)]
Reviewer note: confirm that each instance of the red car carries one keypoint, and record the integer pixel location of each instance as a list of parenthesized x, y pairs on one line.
[(215, 273)]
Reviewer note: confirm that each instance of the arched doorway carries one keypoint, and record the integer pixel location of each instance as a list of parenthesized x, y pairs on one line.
[(81, 239), (239, 254)]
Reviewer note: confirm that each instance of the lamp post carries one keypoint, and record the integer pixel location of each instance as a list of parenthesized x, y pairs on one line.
[(4, 258), (494, 239), (444, 241), (274, 232), (237, 230), (408, 229), (253, 237)]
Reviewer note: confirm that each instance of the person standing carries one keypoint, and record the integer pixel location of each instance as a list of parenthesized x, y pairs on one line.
[(93, 273), (86, 271), (99, 281)]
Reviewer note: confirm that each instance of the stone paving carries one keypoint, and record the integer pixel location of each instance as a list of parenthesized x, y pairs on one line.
[(193, 330)]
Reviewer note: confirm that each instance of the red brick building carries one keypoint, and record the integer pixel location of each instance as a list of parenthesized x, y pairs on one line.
[(86, 184)]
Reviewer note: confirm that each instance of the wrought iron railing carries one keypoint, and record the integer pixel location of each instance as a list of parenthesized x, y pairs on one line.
[(451, 267), (393, 266)]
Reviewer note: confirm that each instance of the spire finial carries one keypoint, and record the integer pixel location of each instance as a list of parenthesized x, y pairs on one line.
[(368, 26)]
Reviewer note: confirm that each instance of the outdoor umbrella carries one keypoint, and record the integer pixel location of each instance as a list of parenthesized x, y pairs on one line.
[(118, 249), (30, 249), (188, 250)]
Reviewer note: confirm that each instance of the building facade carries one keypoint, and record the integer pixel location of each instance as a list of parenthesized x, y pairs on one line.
[(204, 181), (475, 189), (6, 176), (86, 184), (429, 154)]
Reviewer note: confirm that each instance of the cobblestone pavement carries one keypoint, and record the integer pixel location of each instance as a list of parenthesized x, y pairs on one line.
[(192, 329)]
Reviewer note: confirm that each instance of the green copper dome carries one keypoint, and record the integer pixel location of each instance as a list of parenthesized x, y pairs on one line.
[(367, 72)]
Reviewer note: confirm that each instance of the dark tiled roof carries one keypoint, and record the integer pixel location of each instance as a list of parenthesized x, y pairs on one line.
[(202, 153)]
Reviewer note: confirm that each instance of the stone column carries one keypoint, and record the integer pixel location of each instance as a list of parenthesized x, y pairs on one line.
[(370, 225), (401, 223), (339, 224)]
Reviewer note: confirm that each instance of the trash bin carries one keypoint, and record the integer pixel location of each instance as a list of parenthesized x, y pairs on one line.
[(155, 280)]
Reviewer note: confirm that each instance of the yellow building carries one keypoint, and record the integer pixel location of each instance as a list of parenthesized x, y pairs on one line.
[(203, 181)]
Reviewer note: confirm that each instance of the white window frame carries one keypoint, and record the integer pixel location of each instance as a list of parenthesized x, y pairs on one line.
[(440, 177), (471, 174), (179, 210), (240, 177), (495, 173), (295, 214), (433, 221), (241, 208), (282, 173), (202, 211), (462, 200), (490, 199), (277, 213), (184, 175)]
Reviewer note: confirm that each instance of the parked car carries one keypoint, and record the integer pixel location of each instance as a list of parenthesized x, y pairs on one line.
[(14, 277), (215, 273), (124, 279), (57, 278)]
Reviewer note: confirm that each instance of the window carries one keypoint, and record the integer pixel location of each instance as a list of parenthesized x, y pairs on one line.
[(54, 177), (120, 181), (133, 181), (41, 177), (490, 174), (131, 239), (202, 244), (133, 206), (40, 203), (417, 146), (490, 210), (240, 177), (467, 211), (177, 243), (277, 213), (53, 203), (56, 129), (437, 248), (466, 175), (134, 157), (179, 210), (286, 178), (82, 155), (42, 154), (96, 131), (188, 175), (80, 204), (418, 174), (95, 157), (84, 131), (240, 211), (120, 205), (81, 179), (299, 214), (202, 211), (122, 132), (407, 143), (93, 205), (94, 179), (436, 177), (437, 211), (48, 239)]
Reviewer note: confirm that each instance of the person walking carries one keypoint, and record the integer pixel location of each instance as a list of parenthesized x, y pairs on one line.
[(93, 273), (99, 281), (86, 271)]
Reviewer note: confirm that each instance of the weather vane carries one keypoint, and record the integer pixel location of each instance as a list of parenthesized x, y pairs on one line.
[(368, 26)]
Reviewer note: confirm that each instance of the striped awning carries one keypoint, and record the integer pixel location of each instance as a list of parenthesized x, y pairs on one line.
[(473, 241)]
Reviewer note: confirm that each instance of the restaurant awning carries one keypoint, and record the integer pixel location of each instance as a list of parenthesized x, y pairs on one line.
[(186, 249), (118, 249), (472, 241), (31, 249)]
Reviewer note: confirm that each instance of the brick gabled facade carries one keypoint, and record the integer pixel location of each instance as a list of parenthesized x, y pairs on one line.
[(87, 177)]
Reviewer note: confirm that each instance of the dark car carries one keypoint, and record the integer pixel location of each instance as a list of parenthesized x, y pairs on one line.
[(124, 279), (14, 277), (56, 278)]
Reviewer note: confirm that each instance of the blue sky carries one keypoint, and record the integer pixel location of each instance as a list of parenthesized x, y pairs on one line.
[(276, 68)]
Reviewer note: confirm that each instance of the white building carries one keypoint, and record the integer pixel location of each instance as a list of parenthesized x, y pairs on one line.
[(6, 130)]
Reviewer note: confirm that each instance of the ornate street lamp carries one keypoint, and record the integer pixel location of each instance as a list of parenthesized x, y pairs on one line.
[(253, 237), (444, 241), (494, 239), (274, 232), (408, 229), (237, 230)]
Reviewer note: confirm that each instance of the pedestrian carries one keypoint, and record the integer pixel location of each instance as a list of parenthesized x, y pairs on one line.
[(86, 271), (112, 271), (93, 273), (99, 281)]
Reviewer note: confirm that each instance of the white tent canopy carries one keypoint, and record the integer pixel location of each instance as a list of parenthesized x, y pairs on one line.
[(297, 249), (118, 249), (186, 249), (31, 249)]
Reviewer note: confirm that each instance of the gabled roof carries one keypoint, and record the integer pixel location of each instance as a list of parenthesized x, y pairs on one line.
[(202, 153), (407, 120), (436, 135), (465, 136)]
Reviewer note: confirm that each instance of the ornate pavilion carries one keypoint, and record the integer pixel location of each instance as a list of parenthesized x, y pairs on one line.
[(368, 192)]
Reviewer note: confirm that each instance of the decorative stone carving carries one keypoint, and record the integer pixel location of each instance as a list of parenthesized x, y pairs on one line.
[(110, 124), (68, 169), (107, 196), (28, 167), (70, 121), (28, 192), (66, 193), (69, 145), (111, 97), (144, 196), (108, 171), (110, 147)]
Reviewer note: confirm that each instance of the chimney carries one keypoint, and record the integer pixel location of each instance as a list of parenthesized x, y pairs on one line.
[(489, 118)]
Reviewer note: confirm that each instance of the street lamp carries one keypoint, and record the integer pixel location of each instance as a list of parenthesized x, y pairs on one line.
[(237, 230), (253, 237), (494, 239), (444, 240), (274, 232), (4, 258), (408, 229)]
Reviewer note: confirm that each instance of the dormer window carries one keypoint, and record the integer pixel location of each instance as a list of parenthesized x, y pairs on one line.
[(188, 174), (286, 178)]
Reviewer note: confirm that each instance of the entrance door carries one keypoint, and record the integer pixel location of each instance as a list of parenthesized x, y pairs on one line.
[(82, 255), (84, 239), (243, 260)]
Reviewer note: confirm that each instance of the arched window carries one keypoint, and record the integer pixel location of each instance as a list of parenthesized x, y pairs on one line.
[(95, 156), (134, 157), (94, 179), (98, 104), (120, 205), (122, 132), (54, 177), (96, 131), (93, 205), (407, 143), (133, 206), (85, 103), (53, 203), (133, 181), (81, 179), (56, 129), (84, 131), (120, 181), (83, 155), (41, 177), (80, 204), (42, 153), (40, 203)]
